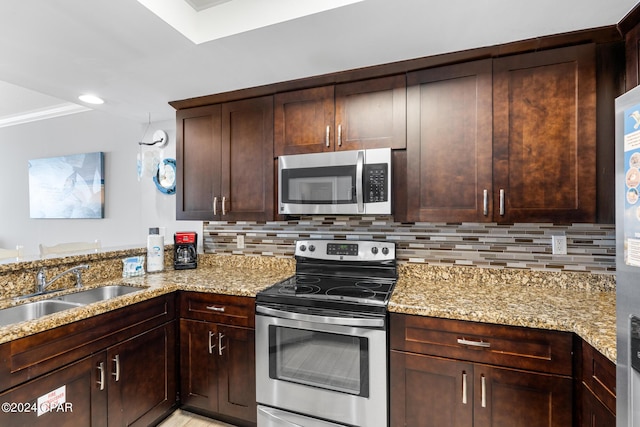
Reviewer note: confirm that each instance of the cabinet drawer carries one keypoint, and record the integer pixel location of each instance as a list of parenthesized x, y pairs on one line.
[(599, 375), (508, 346), (227, 309), (37, 354)]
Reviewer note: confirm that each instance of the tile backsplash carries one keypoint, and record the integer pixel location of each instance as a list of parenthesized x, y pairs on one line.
[(590, 247)]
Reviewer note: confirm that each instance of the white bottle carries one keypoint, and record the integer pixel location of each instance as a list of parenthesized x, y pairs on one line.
[(155, 251)]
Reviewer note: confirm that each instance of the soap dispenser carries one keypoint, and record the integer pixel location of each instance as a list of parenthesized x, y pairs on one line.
[(155, 250)]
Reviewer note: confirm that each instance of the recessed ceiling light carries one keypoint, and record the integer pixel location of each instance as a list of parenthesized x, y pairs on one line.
[(91, 99)]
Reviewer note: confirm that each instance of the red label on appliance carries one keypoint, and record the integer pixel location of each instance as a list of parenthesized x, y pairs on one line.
[(185, 237)]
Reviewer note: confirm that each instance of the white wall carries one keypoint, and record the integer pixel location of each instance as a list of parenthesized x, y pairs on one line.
[(131, 206)]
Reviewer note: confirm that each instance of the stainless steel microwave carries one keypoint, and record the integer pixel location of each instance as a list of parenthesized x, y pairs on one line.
[(340, 182)]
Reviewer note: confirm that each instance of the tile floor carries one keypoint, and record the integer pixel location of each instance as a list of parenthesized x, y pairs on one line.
[(182, 418)]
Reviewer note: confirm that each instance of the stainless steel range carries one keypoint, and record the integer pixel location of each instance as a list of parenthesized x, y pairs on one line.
[(321, 337)]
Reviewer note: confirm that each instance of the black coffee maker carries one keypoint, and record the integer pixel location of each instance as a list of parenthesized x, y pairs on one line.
[(185, 250)]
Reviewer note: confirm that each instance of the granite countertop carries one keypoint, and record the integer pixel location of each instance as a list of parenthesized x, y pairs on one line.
[(229, 281), (587, 309)]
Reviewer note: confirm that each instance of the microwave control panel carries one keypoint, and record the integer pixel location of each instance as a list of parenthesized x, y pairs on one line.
[(376, 182)]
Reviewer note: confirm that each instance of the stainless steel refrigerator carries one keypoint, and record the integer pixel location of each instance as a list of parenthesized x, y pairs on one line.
[(628, 258)]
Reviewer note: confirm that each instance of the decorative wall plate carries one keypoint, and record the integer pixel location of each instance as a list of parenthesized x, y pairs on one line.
[(165, 177)]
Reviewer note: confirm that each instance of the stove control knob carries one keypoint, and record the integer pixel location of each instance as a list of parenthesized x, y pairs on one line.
[(312, 248), (374, 250), (303, 248), (385, 250)]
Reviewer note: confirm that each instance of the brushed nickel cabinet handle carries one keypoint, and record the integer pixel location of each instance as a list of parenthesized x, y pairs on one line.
[(219, 309), (215, 205), (326, 138), (101, 380), (483, 398), (212, 345), (501, 201), (484, 344), (220, 347), (339, 135), (116, 372), (224, 201), (485, 202), (464, 388)]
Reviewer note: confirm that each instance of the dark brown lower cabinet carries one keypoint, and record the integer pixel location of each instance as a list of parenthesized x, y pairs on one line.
[(129, 384), (430, 391), (114, 369), (450, 373), (594, 413), (596, 387), (217, 356), (85, 404), (427, 391), (140, 383), (218, 369)]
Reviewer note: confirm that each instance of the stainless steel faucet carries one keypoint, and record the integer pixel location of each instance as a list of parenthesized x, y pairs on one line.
[(41, 277)]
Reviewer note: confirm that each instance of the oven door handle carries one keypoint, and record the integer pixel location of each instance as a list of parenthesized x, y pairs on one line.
[(343, 321)]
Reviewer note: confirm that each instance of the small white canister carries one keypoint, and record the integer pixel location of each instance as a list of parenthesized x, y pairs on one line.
[(155, 250)]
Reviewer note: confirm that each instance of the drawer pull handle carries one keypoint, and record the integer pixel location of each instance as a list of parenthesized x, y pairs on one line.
[(216, 308), (116, 373), (211, 343), (483, 344), (220, 347), (101, 380), (464, 388), (484, 391)]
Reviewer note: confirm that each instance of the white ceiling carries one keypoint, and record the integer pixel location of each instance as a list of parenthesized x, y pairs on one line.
[(51, 51)]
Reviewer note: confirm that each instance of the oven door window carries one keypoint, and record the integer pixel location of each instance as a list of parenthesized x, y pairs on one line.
[(322, 185), (320, 359)]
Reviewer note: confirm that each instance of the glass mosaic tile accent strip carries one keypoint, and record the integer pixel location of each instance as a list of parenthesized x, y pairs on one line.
[(590, 247)]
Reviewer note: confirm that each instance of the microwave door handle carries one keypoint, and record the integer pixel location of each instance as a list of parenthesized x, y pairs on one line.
[(359, 181)]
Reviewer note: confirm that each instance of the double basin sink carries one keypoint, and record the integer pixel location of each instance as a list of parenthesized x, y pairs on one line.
[(37, 309)]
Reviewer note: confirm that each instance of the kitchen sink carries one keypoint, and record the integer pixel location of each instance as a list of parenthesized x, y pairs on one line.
[(33, 310), (98, 294), (36, 309)]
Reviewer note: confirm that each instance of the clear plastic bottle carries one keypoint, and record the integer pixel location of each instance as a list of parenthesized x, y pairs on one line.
[(155, 250)]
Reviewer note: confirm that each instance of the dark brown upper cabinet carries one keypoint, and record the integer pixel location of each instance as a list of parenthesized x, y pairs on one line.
[(349, 116), (507, 140), (544, 136), (449, 143), (225, 161)]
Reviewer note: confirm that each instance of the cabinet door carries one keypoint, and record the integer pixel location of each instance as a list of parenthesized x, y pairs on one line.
[(142, 384), (430, 392), (236, 372), (198, 365), (594, 413), (544, 136), (85, 404), (449, 143), (371, 114), (303, 121), (512, 398), (247, 160), (198, 151)]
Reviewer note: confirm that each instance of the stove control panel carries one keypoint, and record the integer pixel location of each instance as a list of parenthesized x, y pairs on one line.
[(346, 250), (342, 249)]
